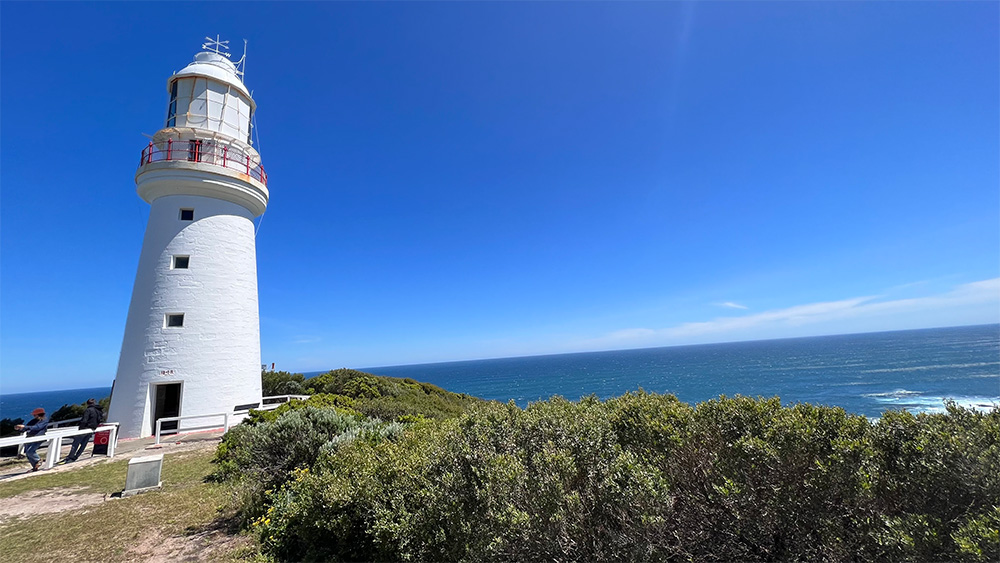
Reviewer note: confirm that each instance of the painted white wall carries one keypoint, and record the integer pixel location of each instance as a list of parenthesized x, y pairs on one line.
[(216, 354), (181, 177)]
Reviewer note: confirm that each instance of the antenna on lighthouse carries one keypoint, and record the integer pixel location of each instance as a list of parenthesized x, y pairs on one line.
[(215, 45), (241, 65)]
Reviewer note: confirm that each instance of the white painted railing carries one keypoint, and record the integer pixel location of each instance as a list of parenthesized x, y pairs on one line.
[(58, 423), (55, 424), (53, 441), (229, 419), (188, 427)]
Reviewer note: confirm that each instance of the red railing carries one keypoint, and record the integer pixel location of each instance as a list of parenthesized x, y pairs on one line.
[(205, 152)]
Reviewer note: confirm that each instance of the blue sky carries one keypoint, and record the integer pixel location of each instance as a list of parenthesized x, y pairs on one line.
[(470, 180)]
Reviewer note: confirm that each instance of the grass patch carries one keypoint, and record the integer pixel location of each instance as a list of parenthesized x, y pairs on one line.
[(108, 477), (182, 521)]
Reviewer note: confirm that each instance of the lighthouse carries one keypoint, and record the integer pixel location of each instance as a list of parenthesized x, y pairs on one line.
[(192, 336)]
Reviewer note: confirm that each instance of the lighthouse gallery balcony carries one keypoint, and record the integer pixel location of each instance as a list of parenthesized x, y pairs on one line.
[(205, 151)]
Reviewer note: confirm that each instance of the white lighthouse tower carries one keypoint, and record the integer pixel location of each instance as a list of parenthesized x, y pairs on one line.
[(192, 337)]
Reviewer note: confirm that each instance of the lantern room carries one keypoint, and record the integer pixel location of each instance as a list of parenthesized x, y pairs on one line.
[(208, 94)]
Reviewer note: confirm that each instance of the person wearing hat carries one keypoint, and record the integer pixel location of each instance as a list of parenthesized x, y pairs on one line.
[(91, 418), (35, 427)]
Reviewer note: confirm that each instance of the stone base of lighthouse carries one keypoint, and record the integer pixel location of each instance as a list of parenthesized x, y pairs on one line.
[(192, 338)]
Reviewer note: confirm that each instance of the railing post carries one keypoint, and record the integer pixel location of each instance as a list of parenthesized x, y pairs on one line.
[(52, 456), (248, 165), (225, 155), (149, 155), (169, 143), (112, 438)]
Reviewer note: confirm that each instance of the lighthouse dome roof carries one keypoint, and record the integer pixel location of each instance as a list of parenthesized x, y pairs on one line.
[(215, 66)]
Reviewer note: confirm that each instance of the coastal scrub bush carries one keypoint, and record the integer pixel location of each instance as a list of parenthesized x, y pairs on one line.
[(551, 482), (375, 396), (7, 429), (766, 482), (7, 426), (389, 398), (263, 456), (644, 477), (938, 481), (282, 383), (67, 412), (340, 403)]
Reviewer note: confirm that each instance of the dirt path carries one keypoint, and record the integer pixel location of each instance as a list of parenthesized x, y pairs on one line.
[(202, 546), (49, 501)]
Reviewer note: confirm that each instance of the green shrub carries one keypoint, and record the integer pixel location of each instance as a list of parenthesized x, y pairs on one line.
[(323, 400), (263, 456), (549, 482), (389, 398), (936, 474), (67, 412), (978, 538), (7, 426), (282, 383), (645, 477)]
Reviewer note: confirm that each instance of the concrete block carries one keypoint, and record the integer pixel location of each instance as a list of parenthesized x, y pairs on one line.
[(143, 475)]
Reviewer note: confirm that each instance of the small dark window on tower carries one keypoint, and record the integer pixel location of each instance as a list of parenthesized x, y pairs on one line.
[(172, 110), (181, 262), (175, 320), (187, 214)]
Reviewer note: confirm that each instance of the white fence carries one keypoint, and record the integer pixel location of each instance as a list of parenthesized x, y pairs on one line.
[(53, 437), (189, 427), (54, 424), (67, 422), (228, 419), (53, 440)]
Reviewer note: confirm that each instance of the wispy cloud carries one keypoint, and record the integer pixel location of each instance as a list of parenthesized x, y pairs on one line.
[(971, 303), (731, 305), (679, 59)]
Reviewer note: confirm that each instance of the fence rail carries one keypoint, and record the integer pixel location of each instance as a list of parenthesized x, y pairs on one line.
[(229, 419), (60, 423), (187, 428), (206, 152), (53, 440), (52, 424)]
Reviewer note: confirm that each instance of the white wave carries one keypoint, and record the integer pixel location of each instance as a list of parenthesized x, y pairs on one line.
[(936, 366), (803, 368), (934, 404), (890, 395)]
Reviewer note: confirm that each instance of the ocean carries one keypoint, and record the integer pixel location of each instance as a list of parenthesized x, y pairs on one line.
[(863, 373), (20, 405)]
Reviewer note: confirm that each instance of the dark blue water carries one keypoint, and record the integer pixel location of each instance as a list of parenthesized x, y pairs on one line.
[(863, 373), (20, 405)]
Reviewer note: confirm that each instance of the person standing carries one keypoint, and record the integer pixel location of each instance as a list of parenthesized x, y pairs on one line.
[(35, 427), (91, 418)]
